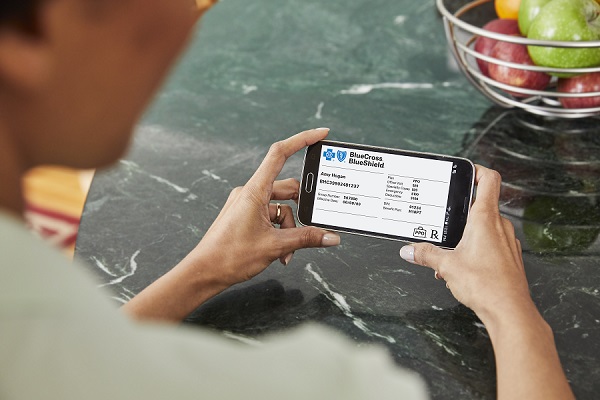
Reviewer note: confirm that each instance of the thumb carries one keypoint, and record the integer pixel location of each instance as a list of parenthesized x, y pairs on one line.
[(309, 236), (425, 254)]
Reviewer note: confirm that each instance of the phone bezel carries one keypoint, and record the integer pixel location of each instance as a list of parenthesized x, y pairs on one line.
[(460, 195)]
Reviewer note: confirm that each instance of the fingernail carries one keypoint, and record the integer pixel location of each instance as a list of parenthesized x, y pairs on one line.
[(408, 253), (330, 239), (322, 129), (288, 258)]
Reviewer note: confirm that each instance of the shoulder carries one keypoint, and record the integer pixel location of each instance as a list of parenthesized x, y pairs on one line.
[(36, 278)]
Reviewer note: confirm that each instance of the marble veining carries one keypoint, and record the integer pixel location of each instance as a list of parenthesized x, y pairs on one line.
[(133, 167), (247, 89), (340, 301), (132, 270), (319, 114), (400, 19), (99, 264), (168, 183), (365, 88), (213, 176), (440, 342)]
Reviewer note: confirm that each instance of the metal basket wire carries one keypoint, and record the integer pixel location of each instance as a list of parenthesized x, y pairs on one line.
[(461, 38)]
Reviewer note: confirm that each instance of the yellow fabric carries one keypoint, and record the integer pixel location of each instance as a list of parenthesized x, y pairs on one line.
[(55, 188), (55, 197)]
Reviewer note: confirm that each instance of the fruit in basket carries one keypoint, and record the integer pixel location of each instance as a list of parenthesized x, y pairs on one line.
[(517, 54), (580, 84), (561, 224), (566, 20), (484, 45), (528, 11), (507, 8)]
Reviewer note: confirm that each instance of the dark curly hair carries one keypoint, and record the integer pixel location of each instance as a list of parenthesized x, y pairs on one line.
[(19, 14)]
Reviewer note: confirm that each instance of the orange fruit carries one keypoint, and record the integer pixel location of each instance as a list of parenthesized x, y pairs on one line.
[(507, 8)]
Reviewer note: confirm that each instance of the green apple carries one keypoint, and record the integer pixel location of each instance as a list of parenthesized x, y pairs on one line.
[(566, 20), (528, 10)]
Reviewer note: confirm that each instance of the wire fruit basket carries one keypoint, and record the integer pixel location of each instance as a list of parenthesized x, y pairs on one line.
[(462, 35)]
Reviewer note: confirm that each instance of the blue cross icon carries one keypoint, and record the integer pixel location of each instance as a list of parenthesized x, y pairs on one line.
[(329, 154)]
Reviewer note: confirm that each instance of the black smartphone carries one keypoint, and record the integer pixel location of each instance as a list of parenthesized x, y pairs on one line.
[(387, 193)]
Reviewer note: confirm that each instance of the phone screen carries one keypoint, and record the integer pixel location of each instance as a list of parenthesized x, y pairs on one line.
[(388, 193)]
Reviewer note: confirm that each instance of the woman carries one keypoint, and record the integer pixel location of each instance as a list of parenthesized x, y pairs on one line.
[(74, 77)]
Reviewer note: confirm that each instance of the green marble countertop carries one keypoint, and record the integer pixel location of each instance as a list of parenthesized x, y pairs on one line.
[(376, 72)]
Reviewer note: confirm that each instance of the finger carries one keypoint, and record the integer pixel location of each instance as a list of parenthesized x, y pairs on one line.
[(286, 216), (488, 188), (520, 250), (286, 221), (509, 233), (287, 189), (306, 237), (285, 260), (279, 152), (424, 254), (513, 242), (233, 195)]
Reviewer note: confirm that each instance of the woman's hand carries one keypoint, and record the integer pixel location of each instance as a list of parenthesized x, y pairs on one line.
[(243, 239), (241, 243), (485, 272)]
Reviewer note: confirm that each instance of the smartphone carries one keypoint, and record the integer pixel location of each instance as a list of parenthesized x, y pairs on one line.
[(387, 193)]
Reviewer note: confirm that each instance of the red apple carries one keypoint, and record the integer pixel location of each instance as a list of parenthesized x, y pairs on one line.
[(580, 84), (517, 54), (484, 45)]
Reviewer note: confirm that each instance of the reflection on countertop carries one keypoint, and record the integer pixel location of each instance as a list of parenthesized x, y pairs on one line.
[(551, 177)]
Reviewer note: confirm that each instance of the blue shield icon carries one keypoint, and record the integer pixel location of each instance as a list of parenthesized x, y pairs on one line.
[(341, 155)]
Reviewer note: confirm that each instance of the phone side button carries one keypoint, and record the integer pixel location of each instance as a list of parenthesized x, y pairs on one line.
[(310, 180)]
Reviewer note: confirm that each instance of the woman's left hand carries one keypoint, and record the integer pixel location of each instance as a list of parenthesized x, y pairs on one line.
[(241, 242), (243, 238)]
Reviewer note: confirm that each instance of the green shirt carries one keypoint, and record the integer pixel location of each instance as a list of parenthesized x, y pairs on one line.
[(62, 338)]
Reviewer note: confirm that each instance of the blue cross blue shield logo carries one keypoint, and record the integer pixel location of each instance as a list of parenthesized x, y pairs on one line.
[(329, 154), (341, 155)]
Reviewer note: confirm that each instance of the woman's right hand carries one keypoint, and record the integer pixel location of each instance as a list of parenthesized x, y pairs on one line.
[(485, 272)]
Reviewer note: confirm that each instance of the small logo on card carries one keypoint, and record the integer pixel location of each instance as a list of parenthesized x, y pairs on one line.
[(329, 154), (420, 232)]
